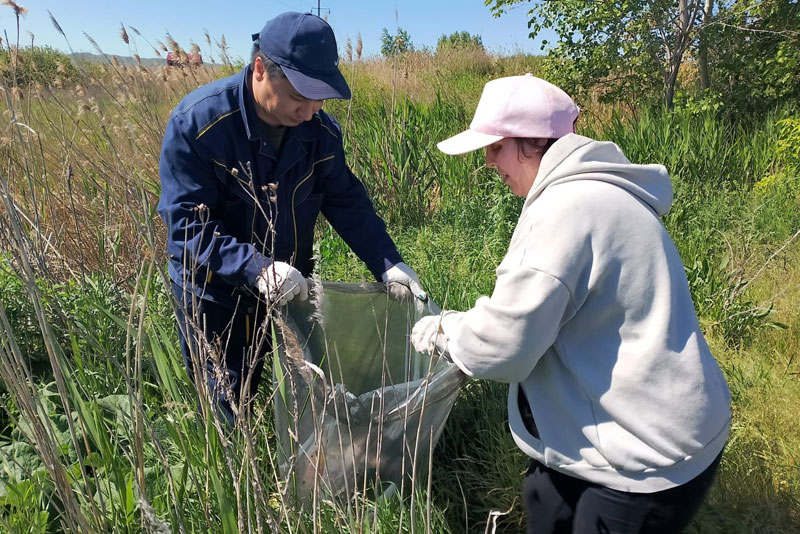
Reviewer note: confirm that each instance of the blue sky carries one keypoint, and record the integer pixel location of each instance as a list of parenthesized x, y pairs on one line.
[(424, 20)]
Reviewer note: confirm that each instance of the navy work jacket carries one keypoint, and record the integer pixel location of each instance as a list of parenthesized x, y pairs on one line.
[(232, 205)]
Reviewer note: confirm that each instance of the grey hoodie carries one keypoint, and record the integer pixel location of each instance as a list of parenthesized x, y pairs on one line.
[(592, 317)]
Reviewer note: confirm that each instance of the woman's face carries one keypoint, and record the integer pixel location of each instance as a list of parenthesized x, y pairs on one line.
[(517, 171)]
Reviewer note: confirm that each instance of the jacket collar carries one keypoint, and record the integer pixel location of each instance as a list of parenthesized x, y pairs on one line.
[(247, 105)]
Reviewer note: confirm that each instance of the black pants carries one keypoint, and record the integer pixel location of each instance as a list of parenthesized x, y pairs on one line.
[(558, 503), (237, 342)]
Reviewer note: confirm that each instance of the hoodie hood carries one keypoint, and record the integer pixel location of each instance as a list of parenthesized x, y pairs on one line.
[(574, 157)]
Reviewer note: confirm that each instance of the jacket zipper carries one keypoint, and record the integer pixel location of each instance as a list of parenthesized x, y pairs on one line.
[(301, 182)]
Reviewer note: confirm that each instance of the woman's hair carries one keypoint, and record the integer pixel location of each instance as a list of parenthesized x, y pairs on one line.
[(530, 146), (274, 70)]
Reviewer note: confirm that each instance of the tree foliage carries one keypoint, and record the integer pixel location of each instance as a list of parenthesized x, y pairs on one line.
[(755, 54), (621, 46), (620, 49), (397, 44), (459, 41)]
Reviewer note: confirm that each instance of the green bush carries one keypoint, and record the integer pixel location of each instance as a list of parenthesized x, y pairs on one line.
[(41, 64)]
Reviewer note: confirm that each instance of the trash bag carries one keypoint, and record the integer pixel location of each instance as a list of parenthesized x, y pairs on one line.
[(357, 410)]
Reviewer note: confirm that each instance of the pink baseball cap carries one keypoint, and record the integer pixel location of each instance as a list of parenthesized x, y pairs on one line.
[(516, 106)]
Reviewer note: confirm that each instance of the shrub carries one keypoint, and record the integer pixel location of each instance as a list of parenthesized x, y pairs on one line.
[(40, 64)]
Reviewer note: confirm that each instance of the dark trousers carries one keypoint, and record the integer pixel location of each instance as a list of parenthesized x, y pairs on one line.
[(558, 503), (236, 342)]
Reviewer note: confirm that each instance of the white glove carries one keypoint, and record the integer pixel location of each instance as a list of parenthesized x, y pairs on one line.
[(279, 282), (401, 280), (427, 335)]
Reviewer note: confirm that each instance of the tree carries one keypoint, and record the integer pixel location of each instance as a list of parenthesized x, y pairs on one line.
[(632, 48), (702, 48), (620, 45), (394, 45), (459, 41), (754, 54)]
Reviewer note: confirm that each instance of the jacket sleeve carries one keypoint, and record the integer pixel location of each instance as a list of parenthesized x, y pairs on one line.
[(351, 213), (503, 336), (189, 205)]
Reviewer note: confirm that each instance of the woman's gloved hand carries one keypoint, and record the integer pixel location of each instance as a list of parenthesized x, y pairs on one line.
[(427, 335)]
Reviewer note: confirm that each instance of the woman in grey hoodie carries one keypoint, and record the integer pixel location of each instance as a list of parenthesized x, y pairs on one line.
[(613, 393)]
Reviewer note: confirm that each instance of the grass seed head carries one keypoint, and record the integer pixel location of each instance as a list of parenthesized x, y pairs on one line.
[(18, 9), (56, 25), (123, 34), (94, 44)]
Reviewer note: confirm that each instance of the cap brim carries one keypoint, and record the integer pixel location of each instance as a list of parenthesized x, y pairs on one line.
[(333, 85), (467, 141)]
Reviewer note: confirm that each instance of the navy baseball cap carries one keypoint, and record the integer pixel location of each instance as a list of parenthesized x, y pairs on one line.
[(305, 48)]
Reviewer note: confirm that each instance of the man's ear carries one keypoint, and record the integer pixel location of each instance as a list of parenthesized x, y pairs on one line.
[(258, 69)]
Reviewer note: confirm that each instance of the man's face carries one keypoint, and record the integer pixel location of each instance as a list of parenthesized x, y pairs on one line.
[(277, 102)]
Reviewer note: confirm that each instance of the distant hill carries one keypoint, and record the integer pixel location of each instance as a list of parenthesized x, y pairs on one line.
[(125, 60)]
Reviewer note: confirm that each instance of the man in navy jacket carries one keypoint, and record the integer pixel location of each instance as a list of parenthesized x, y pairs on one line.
[(247, 164)]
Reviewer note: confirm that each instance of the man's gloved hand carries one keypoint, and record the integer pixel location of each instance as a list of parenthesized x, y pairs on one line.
[(427, 335), (279, 282), (401, 280)]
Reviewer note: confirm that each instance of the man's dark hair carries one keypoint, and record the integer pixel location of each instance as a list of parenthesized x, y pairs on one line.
[(273, 69)]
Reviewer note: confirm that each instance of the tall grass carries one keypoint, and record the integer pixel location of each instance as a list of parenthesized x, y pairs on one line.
[(100, 427)]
